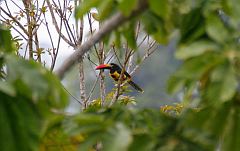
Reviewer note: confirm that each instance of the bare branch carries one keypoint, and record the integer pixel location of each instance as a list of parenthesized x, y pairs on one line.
[(13, 27), (62, 14), (56, 25), (91, 91), (80, 37), (55, 53), (147, 54), (82, 84), (38, 49), (48, 30), (91, 31), (16, 5), (72, 96), (30, 26), (15, 20), (102, 84)]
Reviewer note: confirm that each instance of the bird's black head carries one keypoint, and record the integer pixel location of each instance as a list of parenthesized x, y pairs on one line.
[(111, 66), (115, 66)]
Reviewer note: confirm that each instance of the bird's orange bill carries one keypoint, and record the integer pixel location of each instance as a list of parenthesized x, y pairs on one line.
[(103, 66)]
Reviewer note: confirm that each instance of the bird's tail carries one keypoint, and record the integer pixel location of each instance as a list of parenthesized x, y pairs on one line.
[(135, 86)]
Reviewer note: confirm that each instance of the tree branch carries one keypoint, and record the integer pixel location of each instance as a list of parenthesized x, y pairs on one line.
[(111, 24), (56, 25)]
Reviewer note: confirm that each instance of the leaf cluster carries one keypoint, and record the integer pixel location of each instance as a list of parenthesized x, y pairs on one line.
[(28, 95)]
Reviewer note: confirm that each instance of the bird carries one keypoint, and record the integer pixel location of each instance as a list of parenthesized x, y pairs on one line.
[(115, 72)]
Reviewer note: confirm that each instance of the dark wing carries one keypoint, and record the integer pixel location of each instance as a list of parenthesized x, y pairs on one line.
[(135, 86), (127, 75)]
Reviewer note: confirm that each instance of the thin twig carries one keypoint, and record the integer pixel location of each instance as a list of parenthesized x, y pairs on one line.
[(80, 38), (15, 21), (91, 91), (147, 54), (91, 31), (30, 27), (62, 15), (55, 54), (14, 28), (48, 30), (37, 49), (114, 50), (16, 5), (76, 21), (56, 25), (72, 96), (39, 16)]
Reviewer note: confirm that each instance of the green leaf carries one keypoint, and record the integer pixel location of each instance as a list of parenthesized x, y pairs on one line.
[(27, 95), (160, 36), (85, 123), (105, 9), (195, 49), (7, 88), (154, 26), (231, 138), (232, 8), (84, 7), (223, 84), (6, 44), (194, 123), (141, 142), (56, 137), (129, 34), (89, 143), (159, 7), (117, 41), (127, 6), (195, 67), (21, 71), (193, 70), (218, 119), (118, 138), (175, 84), (33, 81), (206, 125), (91, 126), (216, 29), (20, 124), (151, 22), (192, 25)]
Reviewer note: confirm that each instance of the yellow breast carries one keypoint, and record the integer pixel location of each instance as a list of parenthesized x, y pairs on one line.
[(115, 75)]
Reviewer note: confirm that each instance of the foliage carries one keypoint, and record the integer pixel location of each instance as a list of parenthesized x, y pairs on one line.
[(28, 95), (207, 32), (208, 44), (209, 73), (118, 128)]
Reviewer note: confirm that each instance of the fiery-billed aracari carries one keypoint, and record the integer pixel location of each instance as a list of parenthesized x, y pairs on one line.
[(115, 72)]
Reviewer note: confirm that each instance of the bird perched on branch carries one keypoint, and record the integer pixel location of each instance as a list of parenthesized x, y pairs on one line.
[(115, 72)]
